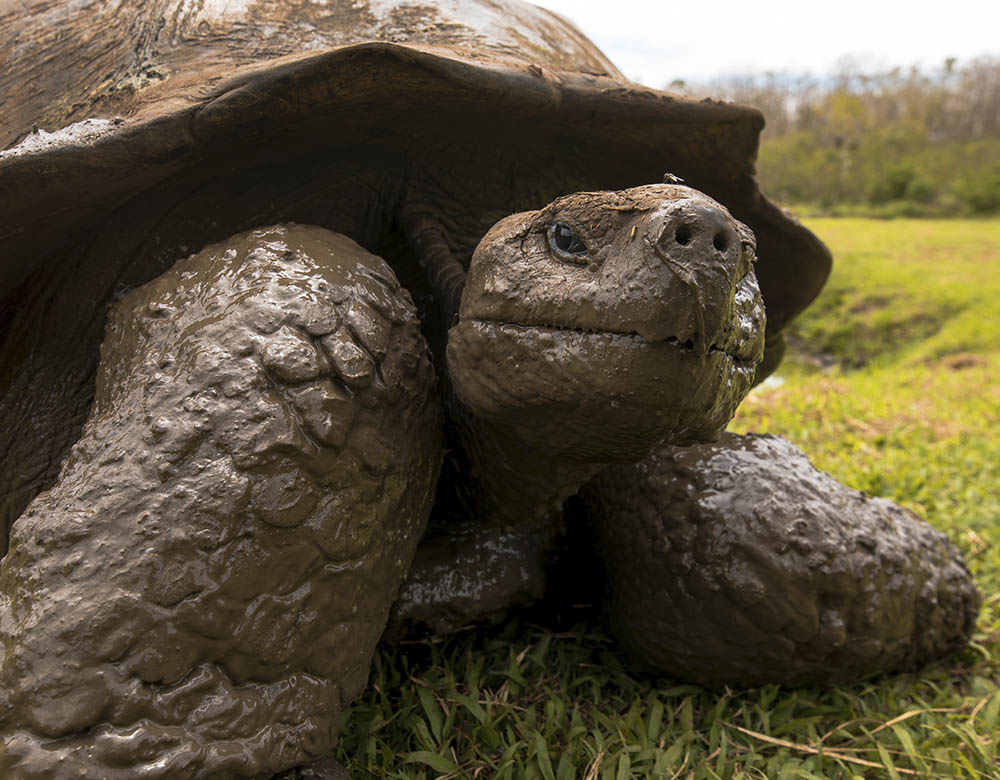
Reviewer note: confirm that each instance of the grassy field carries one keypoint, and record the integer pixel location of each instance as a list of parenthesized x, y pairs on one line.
[(893, 386)]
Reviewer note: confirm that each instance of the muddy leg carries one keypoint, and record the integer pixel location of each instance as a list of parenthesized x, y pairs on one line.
[(202, 589), (477, 577), (738, 563)]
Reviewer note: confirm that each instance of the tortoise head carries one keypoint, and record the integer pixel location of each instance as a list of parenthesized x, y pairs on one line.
[(610, 323)]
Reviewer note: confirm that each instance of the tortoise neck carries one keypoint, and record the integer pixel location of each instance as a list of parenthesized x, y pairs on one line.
[(511, 483), (428, 239)]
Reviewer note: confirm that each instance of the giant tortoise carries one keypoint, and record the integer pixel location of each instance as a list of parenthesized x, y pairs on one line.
[(367, 284)]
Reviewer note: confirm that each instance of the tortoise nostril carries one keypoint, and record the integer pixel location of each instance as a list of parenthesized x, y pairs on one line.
[(721, 241), (683, 235)]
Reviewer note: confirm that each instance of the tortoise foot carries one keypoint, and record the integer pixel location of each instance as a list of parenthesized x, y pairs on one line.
[(203, 587), (740, 564)]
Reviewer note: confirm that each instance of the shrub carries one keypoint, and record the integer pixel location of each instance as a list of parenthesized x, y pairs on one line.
[(980, 191), (920, 189), (901, 182)]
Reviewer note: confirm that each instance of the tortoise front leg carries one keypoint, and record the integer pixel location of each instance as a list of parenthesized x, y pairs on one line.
[(203, 587), (740, 564)]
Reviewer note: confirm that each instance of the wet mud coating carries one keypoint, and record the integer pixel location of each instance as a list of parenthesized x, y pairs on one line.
[(473, 577), (203, 587), (738, 563), (609, 324), (197, 590)]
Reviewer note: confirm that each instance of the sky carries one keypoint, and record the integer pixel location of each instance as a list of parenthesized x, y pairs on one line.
[(655, 42)]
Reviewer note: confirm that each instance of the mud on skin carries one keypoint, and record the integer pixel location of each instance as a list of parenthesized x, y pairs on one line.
[(738, 563), (216, 559), (203, 587), (609, 324), (630, 342)]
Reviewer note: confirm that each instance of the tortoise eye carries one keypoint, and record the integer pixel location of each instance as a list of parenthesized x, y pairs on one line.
[(566, 243)]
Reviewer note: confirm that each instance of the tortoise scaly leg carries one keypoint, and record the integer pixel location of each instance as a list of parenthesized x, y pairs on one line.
[(202, 589), (738, 563)]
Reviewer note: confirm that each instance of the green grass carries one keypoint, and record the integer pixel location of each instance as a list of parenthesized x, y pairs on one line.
[(893, 386)]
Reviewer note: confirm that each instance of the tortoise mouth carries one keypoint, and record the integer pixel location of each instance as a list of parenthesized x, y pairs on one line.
[(743, 358), (597, 395)]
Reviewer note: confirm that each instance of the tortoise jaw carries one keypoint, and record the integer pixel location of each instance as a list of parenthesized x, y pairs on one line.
[(597, 396), (743, 353)]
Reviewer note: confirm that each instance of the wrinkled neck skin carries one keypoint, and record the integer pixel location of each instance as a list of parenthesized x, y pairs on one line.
[(509, 482)]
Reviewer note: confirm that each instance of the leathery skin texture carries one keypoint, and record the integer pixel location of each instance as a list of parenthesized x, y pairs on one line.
[(203, 587), (738, 563)]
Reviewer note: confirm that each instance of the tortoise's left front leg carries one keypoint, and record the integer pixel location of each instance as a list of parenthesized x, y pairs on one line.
[(740, 564)]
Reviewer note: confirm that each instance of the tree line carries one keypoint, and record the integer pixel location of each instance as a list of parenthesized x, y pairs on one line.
[(898, 142)]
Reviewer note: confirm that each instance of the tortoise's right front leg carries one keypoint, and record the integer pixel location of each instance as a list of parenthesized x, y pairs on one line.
[(203, 587)]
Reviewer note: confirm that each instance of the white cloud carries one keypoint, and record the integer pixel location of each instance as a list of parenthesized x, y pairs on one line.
[(656, 42)]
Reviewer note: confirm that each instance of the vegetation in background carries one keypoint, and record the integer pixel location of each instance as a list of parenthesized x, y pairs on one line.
[(893, 385), (895, 143)]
